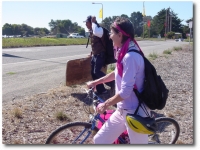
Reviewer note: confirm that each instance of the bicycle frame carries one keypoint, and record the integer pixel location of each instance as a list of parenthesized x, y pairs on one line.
[(93, 122)]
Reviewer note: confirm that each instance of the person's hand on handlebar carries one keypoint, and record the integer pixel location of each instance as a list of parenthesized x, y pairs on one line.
[(101, 108), (90, 84)]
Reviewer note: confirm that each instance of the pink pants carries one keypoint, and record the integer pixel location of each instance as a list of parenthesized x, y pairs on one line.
[(117, 124)]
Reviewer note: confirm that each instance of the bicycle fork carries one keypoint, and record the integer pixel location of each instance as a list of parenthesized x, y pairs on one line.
[(88, 130), (88, 134)]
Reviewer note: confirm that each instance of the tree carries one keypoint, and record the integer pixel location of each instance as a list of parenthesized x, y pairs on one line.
[(81, 31), (36, 31), (26, 30), (7, 29), (54, 26), (137, 20), (187, 21), (159, 22), (125, 16), (64, 26), (176, 23), (170, 35), (185, 31), (107, 22), (16, 29)]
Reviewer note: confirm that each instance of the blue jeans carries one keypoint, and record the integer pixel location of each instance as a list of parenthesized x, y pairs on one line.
[(97, 62)]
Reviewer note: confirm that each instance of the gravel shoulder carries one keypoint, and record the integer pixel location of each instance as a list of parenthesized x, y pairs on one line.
[(31, 119)]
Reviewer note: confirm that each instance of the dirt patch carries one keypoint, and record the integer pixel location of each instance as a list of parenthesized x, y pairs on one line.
[(30, 120)]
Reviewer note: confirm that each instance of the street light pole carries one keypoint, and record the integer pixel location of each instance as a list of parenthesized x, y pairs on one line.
[(102, 9)]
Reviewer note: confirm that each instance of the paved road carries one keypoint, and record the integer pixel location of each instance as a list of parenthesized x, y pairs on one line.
[(27, 71)]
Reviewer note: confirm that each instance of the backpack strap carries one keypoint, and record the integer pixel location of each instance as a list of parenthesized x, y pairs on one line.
[(88, 41), (136, 91), (139, 52)]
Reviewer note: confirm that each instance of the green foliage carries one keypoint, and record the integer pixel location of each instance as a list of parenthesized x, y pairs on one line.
[(65, 26), (45, 41), (81, 31), (159, 21), (57, 26), (137, 19), (23, 30), (189, 40), (153, 55), (111, 68), (62, 116), (7, 29), (11, 73), (177, 48), (107, 22), (30, 42), (17, 112), (170, 35), (125, 16), (167, 52)]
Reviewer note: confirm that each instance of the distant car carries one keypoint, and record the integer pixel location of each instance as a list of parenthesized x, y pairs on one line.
[(180, 40), (75, 35)]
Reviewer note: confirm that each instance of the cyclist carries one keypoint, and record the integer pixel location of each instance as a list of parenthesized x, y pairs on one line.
[(129, 72)]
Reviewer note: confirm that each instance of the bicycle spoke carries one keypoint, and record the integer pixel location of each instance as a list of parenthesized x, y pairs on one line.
[(167, 132), (75, 133)]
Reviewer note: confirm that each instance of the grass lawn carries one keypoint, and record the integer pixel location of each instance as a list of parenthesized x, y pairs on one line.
[(33, 42), (44, 41)]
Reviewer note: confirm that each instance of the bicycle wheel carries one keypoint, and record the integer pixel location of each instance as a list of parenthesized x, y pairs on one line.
[(167, 131), (73, 133)]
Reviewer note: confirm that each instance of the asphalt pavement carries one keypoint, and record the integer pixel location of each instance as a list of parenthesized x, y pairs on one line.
[(33, 70)]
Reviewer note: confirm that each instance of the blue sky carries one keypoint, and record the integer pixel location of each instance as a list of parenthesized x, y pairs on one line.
[(40, 13)]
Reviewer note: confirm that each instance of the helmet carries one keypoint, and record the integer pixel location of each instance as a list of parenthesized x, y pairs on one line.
[(144, 125)]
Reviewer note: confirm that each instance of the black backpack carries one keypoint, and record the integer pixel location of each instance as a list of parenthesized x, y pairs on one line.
[(109, 54), (155, 93), (108, 46)]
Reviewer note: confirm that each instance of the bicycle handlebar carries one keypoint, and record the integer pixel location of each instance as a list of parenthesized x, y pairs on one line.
[(96, 100)]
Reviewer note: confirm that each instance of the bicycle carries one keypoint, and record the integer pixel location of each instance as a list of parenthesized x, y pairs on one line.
[(83, 132)]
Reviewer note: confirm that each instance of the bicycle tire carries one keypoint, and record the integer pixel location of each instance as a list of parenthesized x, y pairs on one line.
[(167, 132), (67, 133)]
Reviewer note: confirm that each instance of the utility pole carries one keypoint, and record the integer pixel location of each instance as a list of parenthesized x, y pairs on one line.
[(149, 32), (168, 23), (143, 18), (171, 20), (165, 24), (143, 27)]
